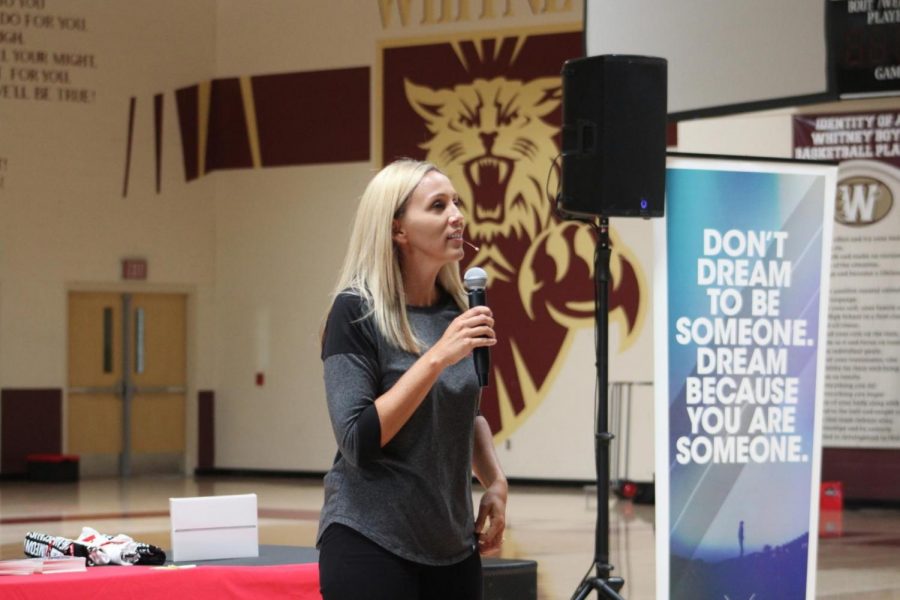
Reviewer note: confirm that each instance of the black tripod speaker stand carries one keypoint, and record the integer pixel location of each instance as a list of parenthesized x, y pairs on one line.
[(602, 581), (613, 165)]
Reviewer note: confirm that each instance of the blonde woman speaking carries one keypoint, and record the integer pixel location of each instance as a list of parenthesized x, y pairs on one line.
[(398, 520)]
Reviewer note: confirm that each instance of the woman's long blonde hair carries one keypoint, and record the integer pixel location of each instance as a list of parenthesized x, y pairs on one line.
[(372, 265)]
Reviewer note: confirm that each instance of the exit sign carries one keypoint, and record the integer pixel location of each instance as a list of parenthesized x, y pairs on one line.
[(134, 268)]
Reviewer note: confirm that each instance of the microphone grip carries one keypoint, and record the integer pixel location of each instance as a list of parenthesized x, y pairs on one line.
[(481, 355)]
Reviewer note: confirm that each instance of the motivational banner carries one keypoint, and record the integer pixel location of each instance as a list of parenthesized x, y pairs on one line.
[(862, 375), (740, 278)]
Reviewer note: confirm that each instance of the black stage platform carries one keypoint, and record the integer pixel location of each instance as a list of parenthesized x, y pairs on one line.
[(504, 579)]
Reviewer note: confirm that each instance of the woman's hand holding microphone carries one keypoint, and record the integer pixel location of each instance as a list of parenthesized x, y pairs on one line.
[(472, 329)]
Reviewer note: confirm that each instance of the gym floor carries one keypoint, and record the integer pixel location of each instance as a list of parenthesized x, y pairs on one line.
[(551, 525)]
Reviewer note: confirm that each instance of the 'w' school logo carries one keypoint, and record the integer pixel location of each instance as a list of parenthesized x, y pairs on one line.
[(862, 201)]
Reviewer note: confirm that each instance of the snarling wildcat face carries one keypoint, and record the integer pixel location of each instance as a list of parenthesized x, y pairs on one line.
[(489, 137)]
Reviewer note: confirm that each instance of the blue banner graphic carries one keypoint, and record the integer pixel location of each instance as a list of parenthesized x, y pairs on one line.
[(744, 335)]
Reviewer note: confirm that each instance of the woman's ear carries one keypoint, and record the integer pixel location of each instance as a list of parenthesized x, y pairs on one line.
[(397, 232)]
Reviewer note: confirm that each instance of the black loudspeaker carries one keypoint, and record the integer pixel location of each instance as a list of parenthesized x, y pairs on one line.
[(614, 136)]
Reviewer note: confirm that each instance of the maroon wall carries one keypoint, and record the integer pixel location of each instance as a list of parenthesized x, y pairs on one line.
[(206, 429), (866, 474), (303, 118), (31, 424)]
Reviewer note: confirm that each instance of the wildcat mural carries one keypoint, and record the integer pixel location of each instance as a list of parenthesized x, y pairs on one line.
[(491, 139), (495, 136)]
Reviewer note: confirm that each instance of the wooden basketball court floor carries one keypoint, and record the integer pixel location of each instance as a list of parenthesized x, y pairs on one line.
[(551, 525)]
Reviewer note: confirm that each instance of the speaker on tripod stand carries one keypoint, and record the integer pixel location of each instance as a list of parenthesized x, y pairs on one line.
[(613, 165)]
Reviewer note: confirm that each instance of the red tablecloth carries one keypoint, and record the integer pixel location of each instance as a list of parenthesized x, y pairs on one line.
[(149, 583)]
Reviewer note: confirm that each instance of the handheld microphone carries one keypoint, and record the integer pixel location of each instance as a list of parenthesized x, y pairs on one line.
[(476, 280)]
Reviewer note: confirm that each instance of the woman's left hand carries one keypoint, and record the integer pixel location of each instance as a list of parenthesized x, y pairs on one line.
[(492, 512)]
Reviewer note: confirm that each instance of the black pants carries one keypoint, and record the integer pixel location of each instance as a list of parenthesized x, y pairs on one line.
[(353, 567)]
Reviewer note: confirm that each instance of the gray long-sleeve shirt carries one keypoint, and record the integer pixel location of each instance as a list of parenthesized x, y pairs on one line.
[(412, 497)]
